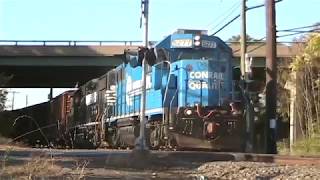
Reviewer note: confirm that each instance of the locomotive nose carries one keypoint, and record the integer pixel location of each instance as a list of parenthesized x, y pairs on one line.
[(211, 129)]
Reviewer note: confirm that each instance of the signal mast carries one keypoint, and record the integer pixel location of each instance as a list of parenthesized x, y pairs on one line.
[(141, 141)]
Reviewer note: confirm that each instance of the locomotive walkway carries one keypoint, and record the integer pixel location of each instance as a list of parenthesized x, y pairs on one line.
[(66, 63)]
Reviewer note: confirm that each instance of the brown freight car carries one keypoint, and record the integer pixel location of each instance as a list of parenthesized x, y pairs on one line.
[(46, 124), (61, 114)]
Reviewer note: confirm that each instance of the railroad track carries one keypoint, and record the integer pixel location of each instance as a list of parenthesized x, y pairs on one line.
[(118, 164), (122, 157)]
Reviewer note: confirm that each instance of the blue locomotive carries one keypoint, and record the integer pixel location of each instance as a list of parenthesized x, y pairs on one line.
[(190, 97)]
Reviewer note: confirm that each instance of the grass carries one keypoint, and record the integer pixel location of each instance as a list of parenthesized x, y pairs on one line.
[(310, 146), (4, 140), (37, 166), (283, 147), (40, 167)]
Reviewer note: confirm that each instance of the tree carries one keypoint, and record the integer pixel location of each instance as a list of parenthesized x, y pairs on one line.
[(236, 38), (3, 92), (306, 67), (3, 98)]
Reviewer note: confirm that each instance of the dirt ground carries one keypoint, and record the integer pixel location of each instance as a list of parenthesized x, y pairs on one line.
[(72, 168), (31, 163), (37, 165)]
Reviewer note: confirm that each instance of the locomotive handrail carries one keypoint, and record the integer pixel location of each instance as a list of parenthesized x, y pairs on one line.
[(67, 43), (165, 96)]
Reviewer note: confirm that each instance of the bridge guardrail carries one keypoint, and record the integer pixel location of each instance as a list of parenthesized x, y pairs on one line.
[(67, 43)]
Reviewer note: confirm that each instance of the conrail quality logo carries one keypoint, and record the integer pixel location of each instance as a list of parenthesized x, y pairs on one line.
[(200, 79)]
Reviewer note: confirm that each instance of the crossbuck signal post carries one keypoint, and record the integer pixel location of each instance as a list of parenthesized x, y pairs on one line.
[(141, 142)]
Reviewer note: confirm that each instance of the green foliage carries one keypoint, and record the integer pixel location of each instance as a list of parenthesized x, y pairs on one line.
[(283, 146), (3, 92), (237, 38), (305, 68), (310, 146), (3, 98), (310, 56), (283, 97)]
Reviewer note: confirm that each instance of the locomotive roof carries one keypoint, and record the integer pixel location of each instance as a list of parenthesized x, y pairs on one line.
[(165, 43)]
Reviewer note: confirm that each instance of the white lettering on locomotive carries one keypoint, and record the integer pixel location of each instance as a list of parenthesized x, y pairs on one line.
[(206, 75), (199, 80), (208, 44), (197, 85)]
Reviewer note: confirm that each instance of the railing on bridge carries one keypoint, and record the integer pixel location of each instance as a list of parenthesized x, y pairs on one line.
[(67, 43), (98, 43)]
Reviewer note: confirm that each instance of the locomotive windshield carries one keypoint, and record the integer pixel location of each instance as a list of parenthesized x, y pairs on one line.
[(203, 54)]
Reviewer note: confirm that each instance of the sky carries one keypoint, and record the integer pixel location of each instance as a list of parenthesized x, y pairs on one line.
[(120, 20)]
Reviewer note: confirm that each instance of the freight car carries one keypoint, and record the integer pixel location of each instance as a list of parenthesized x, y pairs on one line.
[(45, 124)]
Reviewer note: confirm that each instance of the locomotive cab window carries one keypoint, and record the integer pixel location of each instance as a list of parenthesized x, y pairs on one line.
[(120, 75), (203, 54)]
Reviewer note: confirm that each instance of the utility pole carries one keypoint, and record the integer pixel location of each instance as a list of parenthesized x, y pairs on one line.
[(26, 100), (243, 39), (12, 100), (50, 95), (141, 143), (244, 77), (271, 78)]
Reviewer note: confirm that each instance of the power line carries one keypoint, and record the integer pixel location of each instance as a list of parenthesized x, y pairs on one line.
[(232, 10), (289, 34), (236, 17), (313, 30), (257, 41), (222, 15), (227, 24), (299, 32), (298, 28), (263, 42)]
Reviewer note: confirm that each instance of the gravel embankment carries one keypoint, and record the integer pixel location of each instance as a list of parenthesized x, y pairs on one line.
[(253, 170)]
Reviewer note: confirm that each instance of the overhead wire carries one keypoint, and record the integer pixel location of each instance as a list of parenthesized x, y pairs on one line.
[(313, 30), (263, 42), (295, 31), (223, 15), (256, 41), (227, 24), (236, 17), (230, 12), (298, 28), (300, 32)]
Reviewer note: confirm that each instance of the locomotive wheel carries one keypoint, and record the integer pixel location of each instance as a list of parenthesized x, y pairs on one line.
[(114, 139), (154, 139), (96, 141)]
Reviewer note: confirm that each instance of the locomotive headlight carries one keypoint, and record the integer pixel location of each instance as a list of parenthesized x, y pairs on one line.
[(197, 43), (188, 112), (197, 38)]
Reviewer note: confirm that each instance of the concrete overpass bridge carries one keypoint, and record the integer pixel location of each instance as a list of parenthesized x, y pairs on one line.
[(59, 63), (67, 63)]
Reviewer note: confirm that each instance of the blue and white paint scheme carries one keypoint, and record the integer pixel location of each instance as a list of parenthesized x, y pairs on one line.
[(197, 69)]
